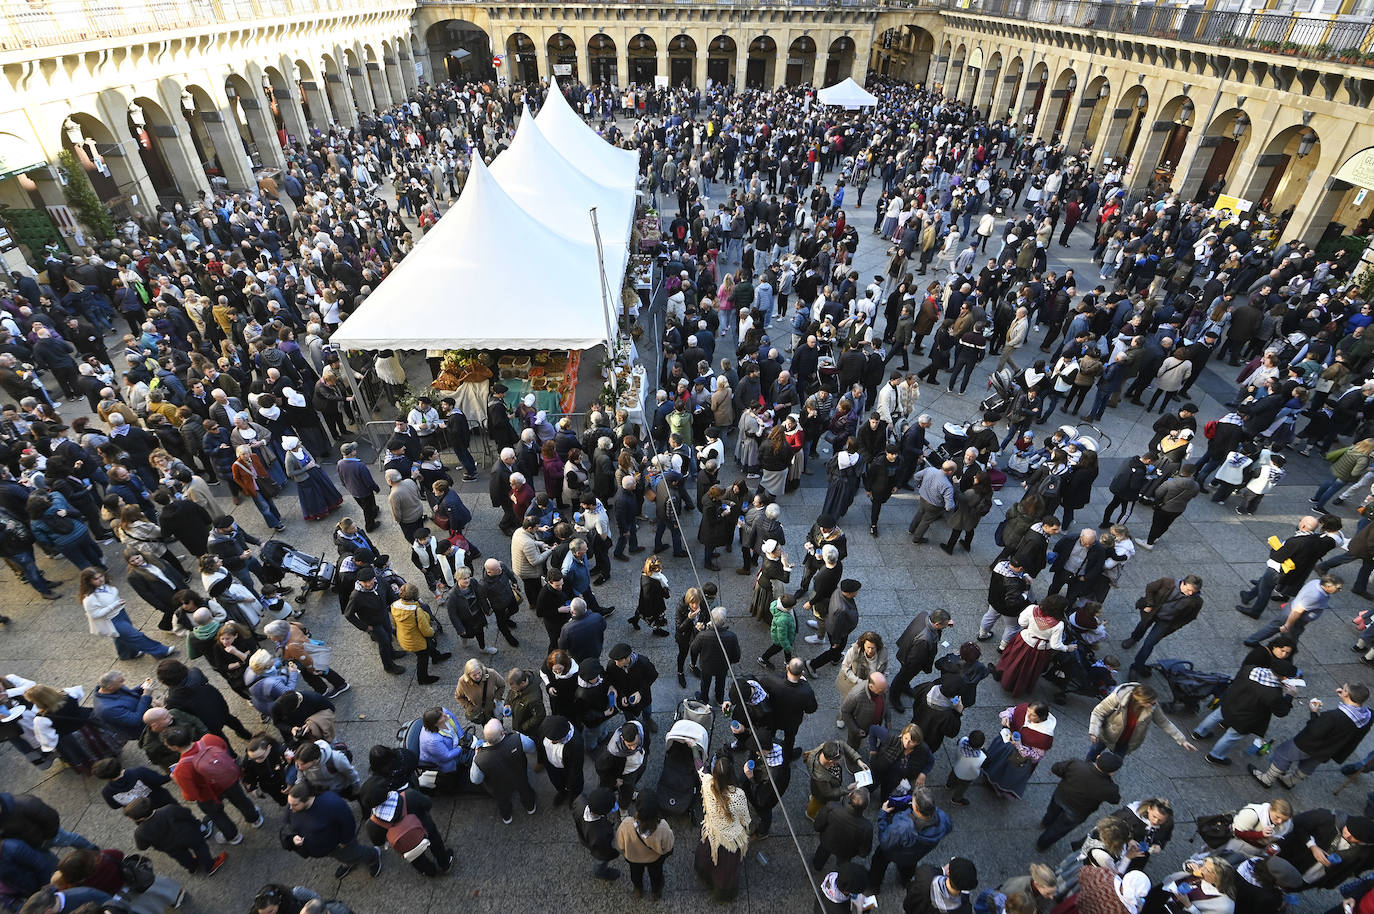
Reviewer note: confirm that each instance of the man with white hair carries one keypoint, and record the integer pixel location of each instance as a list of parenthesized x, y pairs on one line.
[(407, 504), (501, 764), (713, 649), (498, 488)]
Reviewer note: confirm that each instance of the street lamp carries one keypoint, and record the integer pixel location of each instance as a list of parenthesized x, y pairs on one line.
[(1241, 125), (188, 103), (1305, 145), (1185, 112), (73, 131), (136, 115)]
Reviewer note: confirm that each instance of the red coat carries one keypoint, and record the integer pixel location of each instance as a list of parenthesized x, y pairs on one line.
[(206, 770)]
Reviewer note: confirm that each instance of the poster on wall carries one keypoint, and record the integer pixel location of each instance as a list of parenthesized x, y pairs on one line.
[(562, 69)]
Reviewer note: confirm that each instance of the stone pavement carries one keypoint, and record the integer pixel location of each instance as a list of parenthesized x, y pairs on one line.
[(536, 862)]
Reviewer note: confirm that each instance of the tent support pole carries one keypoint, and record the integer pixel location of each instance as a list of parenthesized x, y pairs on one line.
[(359, 398), (605, 300)]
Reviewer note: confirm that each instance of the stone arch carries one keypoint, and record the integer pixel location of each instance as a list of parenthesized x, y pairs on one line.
[(801, 61), (357, 91), (601, 60), (722, 56), (1123, 126), (955, 78), (283, 98), (1220, 148), (459, 48), (641, 59), (215, 135), (562, 51), (762, 63), (1034, 94), (391, 71), (114, 169), (682, 60), (250, 117), (522, 56), (1089, 113), (1062, 99), (335, 87), (163, 146), (312, 90), (839, 60), (1009, 85), (376, 78), (989, 80), (1275, 183)]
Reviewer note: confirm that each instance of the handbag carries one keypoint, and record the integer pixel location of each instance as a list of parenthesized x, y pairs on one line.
[(267, 486)]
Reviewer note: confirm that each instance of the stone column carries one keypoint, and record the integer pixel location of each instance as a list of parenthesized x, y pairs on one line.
[(1113, 130), (263, 127), (174, 141), (227, 146), (376, 81)]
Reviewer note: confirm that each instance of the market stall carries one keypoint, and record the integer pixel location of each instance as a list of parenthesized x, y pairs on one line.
[(847, 94)]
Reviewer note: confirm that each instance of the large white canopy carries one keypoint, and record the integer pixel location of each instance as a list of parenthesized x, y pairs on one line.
[(579, 144), (548, 186), (488, 275), (847, 94)]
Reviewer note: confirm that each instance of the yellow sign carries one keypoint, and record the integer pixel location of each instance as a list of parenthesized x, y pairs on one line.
[(1358, 169), (1229, 208)]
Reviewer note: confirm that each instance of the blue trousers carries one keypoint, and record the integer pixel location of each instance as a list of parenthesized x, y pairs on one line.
[(130, 642)]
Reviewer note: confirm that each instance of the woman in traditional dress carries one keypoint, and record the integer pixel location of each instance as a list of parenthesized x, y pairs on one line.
[(1027, 656), (724, 830), (1026, 737), (774, 570), (845, 471), (318, 496)]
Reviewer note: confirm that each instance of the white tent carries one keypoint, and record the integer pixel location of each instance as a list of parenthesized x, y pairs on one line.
[(553, 189), (847, 94), (488, 275), (580, 144)]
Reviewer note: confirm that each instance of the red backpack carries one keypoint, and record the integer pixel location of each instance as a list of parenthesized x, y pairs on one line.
[(215, 766), (406, 833)]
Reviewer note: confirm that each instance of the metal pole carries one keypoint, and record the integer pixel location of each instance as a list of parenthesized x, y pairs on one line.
[(612, 336)]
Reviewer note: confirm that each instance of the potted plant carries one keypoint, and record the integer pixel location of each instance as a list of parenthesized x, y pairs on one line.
[(1368, 58), (1290, 48), (1349, 55), (1270, 46), (1322, 49)]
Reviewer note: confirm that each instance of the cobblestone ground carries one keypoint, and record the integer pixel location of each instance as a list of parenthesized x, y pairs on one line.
[(536, 863)]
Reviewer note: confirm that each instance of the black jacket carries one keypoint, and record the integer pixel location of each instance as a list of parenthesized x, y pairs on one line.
[(1129, 480), (844, 831), (919, 644), (791, 701), (1322, 826), (918, 901), (503, 765), (196, 696), (597, 836), (1248, 705), (1330, 735), (1083, 787), (640, 677), (188, 523), (713, 657)]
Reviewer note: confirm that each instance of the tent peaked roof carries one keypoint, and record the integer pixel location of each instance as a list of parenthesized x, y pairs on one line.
[(539, 178), (580, 144), (848, 94), (488, 275)]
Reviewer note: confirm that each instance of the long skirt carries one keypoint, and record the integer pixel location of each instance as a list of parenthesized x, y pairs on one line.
[(774, 482), (317, 495), (1003, 773), (1021, 666), (722, 875)]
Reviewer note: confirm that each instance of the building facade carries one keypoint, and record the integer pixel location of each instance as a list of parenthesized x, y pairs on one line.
[(164, 100)]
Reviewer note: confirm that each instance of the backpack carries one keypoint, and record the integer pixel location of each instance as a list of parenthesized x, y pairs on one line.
[(137, 872), (1215, 830), (216, 767), (406, 834), (1209, 430)]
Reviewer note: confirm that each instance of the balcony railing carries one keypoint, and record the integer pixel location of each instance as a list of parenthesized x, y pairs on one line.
[(1310, 37), (48, 23)]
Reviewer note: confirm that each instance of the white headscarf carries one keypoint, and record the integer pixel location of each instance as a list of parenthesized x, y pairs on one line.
[(1134, 887)]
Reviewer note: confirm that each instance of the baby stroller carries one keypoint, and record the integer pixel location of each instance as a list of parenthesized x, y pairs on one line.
[(1002, 392), (279, 559), (687, 746), (956, 440), (1190, 689)]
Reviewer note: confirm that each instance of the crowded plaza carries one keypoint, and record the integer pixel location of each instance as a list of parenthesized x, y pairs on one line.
[(887, 499)]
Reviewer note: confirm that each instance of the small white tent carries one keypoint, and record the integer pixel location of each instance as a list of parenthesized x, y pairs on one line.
[(488, 275), (580, 144), (551, 188), (847, 94)]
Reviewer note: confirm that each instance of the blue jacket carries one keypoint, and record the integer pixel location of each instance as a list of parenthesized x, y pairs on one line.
[(577, 577), (903, 842), (326, 825), (356, 477), (122, 711), (583, 638)]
